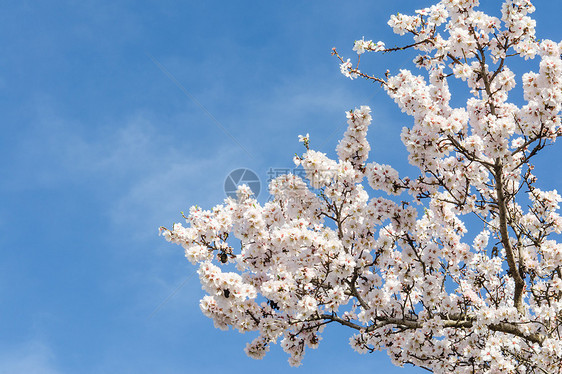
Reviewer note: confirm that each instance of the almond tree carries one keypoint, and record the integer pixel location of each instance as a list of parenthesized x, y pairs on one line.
[(398, 270)]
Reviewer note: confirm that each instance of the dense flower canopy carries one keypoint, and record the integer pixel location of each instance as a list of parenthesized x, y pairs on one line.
[(398, 270)]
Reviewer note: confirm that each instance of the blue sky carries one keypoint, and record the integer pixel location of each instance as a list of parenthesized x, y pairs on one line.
[(100, 146)]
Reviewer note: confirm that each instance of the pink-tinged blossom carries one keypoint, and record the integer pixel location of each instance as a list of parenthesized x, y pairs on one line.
[(456, 268)]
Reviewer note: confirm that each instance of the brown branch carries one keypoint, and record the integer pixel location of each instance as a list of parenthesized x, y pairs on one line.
[(510, 257), (451, 322)]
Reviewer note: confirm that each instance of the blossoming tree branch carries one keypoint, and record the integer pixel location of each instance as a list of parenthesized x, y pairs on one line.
[(403, 272)]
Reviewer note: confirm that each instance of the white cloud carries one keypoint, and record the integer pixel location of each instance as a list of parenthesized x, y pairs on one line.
[(140, 174), (32, 357)]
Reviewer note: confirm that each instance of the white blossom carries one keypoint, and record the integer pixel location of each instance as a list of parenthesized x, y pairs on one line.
[(456, 268)]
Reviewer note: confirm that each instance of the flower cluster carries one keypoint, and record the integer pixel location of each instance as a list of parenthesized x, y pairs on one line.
[(402, 271), (361, 46)]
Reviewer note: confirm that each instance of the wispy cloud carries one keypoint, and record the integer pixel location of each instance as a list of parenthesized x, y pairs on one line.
[(137, 170), (33, 357)]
